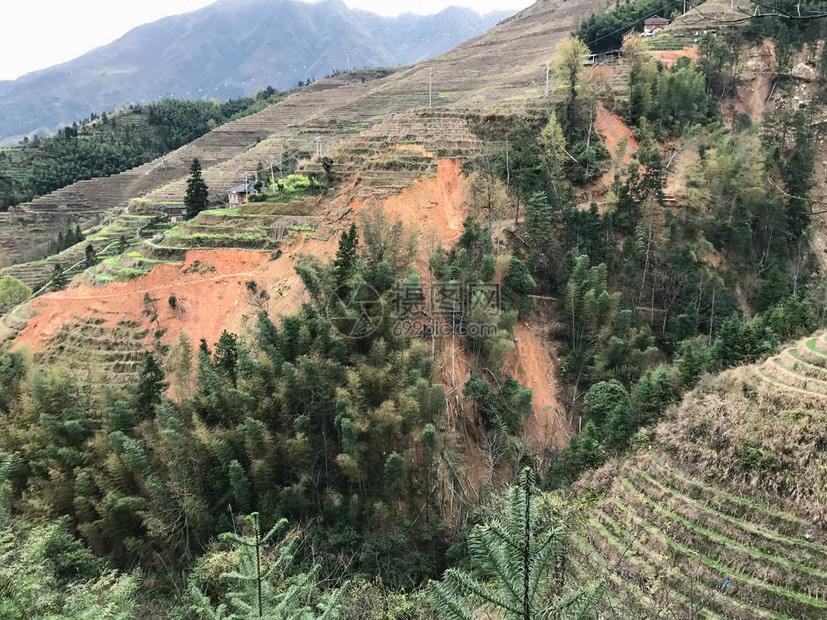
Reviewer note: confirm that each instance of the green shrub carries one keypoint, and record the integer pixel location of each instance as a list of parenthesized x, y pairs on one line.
[(12, 293)]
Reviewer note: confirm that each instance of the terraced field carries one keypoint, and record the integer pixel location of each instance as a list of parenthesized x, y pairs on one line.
[(716, 554), (724, 516), (801, 369), (401, 149), (104, 238), (503, 67), (106, 348)]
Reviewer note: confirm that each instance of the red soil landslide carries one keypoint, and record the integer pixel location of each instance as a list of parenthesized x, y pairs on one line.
[(435, 206), (208, 302), (611, 126), (670, 57), (533, 365)]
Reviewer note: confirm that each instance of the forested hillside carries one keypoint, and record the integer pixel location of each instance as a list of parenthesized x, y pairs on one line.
[(111, 143), (317, 404)]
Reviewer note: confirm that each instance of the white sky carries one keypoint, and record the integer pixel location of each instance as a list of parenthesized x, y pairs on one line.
[(41, 33)]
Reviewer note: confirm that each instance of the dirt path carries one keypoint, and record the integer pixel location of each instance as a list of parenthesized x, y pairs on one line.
[(160, 287)]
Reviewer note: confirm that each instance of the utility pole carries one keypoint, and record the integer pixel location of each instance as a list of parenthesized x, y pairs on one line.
[(430, 88), (319, 146), (507, 167), (272, 174)]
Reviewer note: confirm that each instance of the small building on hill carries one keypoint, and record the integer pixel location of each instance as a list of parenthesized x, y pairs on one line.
[(176, 211), (655, 24), (238, 194)]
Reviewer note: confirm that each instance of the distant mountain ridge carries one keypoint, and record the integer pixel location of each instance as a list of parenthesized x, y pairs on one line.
[(227, 49)]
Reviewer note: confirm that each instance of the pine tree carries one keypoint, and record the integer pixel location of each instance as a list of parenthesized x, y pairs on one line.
[(396, 471), (553, 143), (150, 387), (197, 192), (521, 570), (539, 217), (91, 257), (261, 587), (226, 356), (345, 261), (58, 278), (518, 282)]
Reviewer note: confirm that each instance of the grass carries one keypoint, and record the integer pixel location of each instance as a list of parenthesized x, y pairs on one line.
[(726, 570), (621, 548), (227, 211), (811, 345), (115, 271), (797, 357), (673, 544), (177, 234), (446, 94), (773, 379), (715, 491), (816, 381), (717, 537), (746, 525)]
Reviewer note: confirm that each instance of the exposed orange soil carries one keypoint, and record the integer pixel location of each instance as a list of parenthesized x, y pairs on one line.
[(212, 301), (670, 57), (614, 130), (433, 205), (612, 127), (533, 364)]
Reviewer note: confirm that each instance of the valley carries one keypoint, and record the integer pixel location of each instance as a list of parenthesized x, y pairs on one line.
[(452, 347)]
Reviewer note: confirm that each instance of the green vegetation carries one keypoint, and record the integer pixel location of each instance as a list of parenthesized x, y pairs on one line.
[(517, 562), (109, 144), (291, 187), (12, 293), (604, 31), (65, 239), (197, 195), (307, 467), (290, 394)]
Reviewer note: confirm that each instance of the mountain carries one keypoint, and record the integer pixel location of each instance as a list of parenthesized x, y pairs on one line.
[(227, 49)]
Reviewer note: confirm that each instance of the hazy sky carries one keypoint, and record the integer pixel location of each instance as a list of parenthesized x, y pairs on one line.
[(41, 33)]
